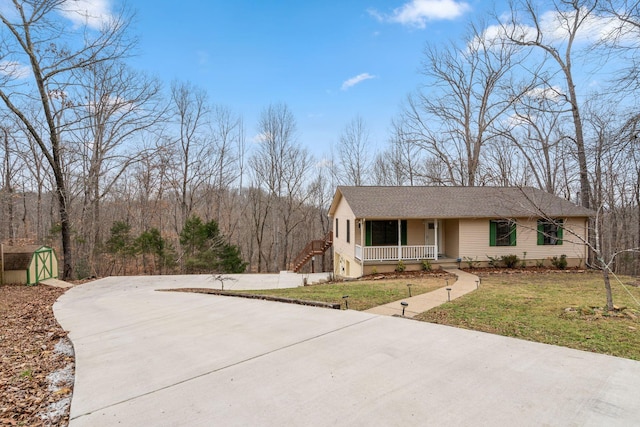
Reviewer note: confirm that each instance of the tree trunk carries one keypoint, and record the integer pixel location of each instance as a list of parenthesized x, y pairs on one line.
[(607, 286)]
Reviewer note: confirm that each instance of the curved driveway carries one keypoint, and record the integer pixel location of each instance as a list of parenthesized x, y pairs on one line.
[(172, 359)]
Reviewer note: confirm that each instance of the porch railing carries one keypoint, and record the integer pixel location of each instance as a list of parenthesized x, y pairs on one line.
[(390, 253)]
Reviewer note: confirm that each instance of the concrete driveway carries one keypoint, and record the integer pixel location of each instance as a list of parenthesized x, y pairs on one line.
[(173, 359)]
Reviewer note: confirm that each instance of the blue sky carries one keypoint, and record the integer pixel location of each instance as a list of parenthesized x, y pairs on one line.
[(328, 60)]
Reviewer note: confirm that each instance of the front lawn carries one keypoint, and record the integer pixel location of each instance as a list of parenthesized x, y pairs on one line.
[(554, 308), (363, 294)]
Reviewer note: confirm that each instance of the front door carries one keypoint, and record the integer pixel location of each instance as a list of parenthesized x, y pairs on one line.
[(430, 235)]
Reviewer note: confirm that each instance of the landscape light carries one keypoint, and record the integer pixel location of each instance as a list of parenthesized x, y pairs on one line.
[(449, 294), (404, 305), (346, 301)]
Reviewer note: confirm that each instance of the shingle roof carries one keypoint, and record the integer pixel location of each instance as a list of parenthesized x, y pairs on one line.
[(455, 202), (18, 257)]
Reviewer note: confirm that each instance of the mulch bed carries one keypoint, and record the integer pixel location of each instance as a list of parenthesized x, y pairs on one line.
[(486, 271), (404, 275), (37, 361)]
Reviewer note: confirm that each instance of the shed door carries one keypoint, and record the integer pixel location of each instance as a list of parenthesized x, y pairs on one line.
[(44, 264)]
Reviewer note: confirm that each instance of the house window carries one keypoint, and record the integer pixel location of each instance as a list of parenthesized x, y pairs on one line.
[(336, 228), (385, 233), (348, 231), (502, 233), (550, 232)]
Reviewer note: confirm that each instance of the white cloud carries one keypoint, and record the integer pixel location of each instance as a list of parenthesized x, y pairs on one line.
[(116, 104), (355, 80), (14, 69), (324, 163), (93, 13), (416, 13), (260, 138), (553, 93), (553, 27), (594, 27)]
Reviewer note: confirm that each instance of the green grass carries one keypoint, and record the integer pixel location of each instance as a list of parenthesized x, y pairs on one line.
[(553, 308), (362, 294)]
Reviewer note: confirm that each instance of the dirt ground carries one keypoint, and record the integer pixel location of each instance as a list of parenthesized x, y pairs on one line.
[(37, 359)]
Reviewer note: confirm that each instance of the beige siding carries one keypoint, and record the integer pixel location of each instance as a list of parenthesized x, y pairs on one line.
[(15, 277), (474, 241), (415, 232), (345, 263)]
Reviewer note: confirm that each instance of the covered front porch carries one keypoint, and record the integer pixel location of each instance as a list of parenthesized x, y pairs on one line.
[(399, 240)]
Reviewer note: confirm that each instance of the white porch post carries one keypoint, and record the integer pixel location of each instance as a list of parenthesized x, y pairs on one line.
[(363, 230), (435, 238), (399, 239)]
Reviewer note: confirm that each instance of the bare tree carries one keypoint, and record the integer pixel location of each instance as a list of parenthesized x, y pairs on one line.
[(280, 166), (409, 157), (401, 163), (192, 147), (42, 47), (457, 113), (624, 38), (7, 190), (537, 130), (226, 130), (386, 169), (114, 105), (260, 209), (569, 19), (354, 149), (321, 191), (504, 165)]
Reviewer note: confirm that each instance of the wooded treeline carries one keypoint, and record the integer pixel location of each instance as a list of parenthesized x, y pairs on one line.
[(124, 176)]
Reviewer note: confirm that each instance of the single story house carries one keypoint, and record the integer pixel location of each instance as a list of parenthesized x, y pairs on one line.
[(28, 264), (374, 228)]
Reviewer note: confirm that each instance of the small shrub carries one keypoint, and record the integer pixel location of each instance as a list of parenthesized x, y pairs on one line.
[(426, 265), (374, 270), (540, 263), (510, 261), (559, 262), (494, 261), (523, 263), (471, 262), (400, 267)]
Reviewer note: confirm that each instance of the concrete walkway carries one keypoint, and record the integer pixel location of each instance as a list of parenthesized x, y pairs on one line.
[(148, 358), (420, 303), (56, 283)]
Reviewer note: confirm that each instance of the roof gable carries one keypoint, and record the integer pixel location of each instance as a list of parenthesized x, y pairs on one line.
[(454, 202)]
